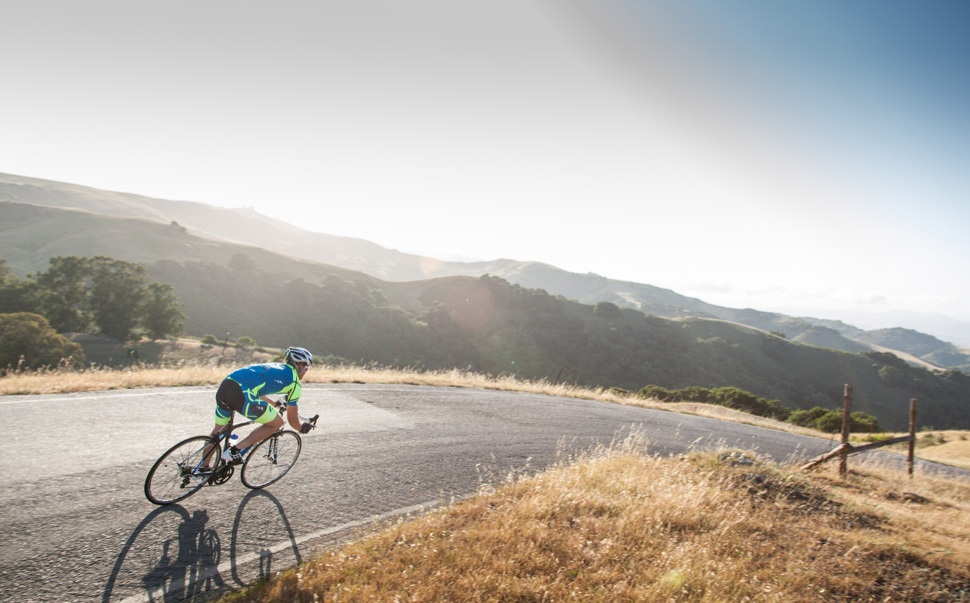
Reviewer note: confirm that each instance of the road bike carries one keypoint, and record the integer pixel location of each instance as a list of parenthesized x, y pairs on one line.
[(197, 461)]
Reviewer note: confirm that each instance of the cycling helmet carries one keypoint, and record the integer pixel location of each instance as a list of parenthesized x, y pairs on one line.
[(294, 355)]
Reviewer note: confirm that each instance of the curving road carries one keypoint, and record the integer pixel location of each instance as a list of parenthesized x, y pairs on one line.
[(75, 525)]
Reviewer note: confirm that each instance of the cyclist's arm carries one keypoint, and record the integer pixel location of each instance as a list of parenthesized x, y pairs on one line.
[(292, 412), (293, 416)]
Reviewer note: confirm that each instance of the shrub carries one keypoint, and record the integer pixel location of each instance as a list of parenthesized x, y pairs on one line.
[(860, 422), (246, 343), (656, 392), (807, 418), (830, 420), (27, 341)]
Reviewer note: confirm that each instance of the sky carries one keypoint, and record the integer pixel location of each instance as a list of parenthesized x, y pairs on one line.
[(809, 158)]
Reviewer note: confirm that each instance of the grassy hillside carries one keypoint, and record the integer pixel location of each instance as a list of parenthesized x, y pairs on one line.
[(31, 235), (490, 326), (239, 226), (485, 324), (244, 226), (620, 525)]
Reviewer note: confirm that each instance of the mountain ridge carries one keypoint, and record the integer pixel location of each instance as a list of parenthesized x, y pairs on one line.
[(485, 324), (242, 226)]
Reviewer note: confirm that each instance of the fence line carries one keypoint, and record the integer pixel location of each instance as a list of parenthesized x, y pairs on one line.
[(846, 448)]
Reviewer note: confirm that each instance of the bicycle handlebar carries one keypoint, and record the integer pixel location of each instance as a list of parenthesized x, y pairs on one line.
[(281, 405)]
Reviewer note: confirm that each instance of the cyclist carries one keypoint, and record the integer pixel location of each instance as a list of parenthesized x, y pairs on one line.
[(247, 392)]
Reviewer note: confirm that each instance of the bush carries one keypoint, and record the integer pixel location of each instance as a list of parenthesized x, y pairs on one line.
[(27, 341), (860, 422), (830, 420), (731, 397), (656, 392), (695, 394), (739, 399), (807, 418), (246, 343)]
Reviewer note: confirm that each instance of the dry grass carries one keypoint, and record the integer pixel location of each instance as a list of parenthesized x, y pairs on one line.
[(949, 447), (100, 379), (619, 525), (57, 381)]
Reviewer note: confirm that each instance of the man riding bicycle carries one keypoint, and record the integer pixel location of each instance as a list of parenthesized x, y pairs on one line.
[(247, 392)]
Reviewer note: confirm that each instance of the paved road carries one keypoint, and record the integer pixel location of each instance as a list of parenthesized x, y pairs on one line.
[(75, 525)]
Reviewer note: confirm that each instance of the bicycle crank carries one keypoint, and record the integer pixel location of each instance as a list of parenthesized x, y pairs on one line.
[(222, 475)]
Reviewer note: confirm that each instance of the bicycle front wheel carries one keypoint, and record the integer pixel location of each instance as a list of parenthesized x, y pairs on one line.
[(182, 470), (269, 460)]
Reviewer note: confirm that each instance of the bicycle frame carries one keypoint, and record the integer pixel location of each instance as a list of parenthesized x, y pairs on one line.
[(224, 438), (225, 435)]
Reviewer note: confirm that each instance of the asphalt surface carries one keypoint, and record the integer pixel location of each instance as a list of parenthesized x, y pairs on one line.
[(75, 524)]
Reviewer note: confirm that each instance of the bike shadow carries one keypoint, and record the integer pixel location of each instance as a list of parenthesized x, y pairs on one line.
[(261, 532), (174, 555)]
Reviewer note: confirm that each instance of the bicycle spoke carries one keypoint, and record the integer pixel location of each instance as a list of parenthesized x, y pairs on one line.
[(270, 460), (179, 472)]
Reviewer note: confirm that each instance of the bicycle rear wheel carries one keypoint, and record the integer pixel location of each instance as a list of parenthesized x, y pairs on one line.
[(178, 473), (269, 460)]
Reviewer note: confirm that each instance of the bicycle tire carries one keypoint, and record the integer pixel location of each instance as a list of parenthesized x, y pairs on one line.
[(173, 477), (271, 459)]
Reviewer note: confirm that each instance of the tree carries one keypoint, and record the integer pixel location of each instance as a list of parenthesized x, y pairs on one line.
[(65, 292), (607, 310), (244, 262), (118, 293), (77, 293), (28, 341), (16, 295), (162, 312)]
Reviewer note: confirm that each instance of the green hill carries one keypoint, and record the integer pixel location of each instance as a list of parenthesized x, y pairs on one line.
[(244, 227), (484, 323), (30, 235)]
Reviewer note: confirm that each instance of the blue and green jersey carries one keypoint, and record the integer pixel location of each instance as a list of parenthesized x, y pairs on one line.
[(267, 380)]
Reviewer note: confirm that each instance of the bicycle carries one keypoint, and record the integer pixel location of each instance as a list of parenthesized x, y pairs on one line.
[(183, 469)]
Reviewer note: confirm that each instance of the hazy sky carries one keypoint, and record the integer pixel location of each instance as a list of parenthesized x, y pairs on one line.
[(810, 158)]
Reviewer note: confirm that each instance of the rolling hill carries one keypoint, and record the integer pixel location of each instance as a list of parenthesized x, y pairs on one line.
[(244, 226), (483, 323)]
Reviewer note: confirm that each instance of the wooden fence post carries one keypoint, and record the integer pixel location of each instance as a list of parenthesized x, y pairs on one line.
[(846, 448), (846, 424), (912, 434)]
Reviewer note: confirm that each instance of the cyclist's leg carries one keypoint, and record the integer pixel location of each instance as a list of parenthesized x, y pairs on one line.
[(229, 398), (269, 419)]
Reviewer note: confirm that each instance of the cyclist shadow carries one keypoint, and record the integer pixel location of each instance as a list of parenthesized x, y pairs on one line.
[(173, 555), (170, 556)]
